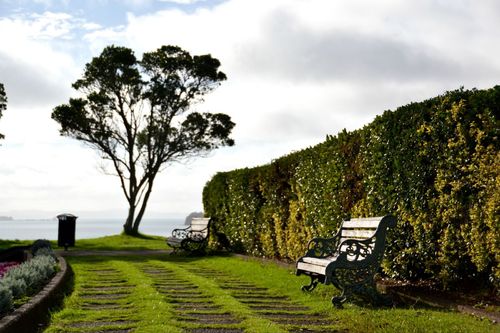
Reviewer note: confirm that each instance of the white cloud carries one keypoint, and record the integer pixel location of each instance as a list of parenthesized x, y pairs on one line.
[(138, 3), (297, 70), (91, 26), (47, 3), (36, 65), (301, 57), (182, 2)]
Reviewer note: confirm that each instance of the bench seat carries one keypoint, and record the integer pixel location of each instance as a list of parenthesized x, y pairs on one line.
[(174, 242), (315, 265)]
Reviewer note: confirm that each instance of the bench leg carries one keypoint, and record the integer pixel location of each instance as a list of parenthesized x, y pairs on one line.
[(366, 291), (312, 285), (337, 301)]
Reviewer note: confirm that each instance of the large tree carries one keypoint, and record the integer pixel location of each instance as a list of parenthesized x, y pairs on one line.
[(3, 103), (138, 115)]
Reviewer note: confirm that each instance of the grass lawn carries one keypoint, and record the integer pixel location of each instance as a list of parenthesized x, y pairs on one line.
[(171, 293), (6, 243), (220, 293), (106, 243), (121, 242)]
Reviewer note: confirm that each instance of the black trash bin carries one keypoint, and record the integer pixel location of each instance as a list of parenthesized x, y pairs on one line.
[(66, 233)]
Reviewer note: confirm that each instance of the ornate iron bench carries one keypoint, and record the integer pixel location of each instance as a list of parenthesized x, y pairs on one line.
[(193, 238), (349, 260)]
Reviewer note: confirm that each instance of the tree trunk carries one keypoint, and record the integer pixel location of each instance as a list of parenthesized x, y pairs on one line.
[(131, 226), (138, 219), (128, 227)]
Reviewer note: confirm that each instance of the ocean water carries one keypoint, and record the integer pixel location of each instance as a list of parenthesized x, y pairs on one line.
[(85, 228)]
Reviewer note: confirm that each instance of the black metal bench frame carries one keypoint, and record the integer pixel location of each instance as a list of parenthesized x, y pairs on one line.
[(193, 238), (349, 260)]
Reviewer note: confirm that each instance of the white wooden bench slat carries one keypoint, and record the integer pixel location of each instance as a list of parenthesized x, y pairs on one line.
[(319, 261), (311, 268), (198, 227), (371, 223), (199, 224), (357, 233), (200, 221)]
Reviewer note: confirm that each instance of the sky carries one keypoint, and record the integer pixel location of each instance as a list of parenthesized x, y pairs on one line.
[(297, 70)]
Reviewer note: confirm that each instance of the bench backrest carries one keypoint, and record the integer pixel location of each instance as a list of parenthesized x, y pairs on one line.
[(374, 228), (200, 224), (359, 228)]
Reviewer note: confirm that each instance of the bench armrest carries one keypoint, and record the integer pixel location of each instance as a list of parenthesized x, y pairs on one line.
[(197, 236), (353, 252), (322, 247), (181, 233)]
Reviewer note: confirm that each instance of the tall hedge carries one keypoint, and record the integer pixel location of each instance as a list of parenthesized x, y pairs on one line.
[(435, 165)]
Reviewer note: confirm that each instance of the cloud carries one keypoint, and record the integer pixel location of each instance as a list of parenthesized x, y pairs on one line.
[(322, 59), (35, 69), (182, 2), (297, 70), (34, 26), (138, 3), (291, 46), (292, 52), (46, 3), (91, 26), (28, 84), (100, 38)]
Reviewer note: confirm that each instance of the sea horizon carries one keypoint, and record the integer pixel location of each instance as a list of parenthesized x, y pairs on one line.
[(47, 228)]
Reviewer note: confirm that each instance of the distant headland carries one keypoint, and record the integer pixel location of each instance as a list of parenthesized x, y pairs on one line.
[(6, 218)]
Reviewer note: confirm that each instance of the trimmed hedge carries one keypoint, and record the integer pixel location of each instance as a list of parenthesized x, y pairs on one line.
[(433, 164)]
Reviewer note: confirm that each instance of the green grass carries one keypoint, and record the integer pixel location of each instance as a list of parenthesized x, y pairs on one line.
[(106, 243), (122, 242), (6, 243), (146, 309)]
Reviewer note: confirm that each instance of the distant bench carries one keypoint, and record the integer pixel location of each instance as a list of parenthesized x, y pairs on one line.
[(349, 260), (194, 238)]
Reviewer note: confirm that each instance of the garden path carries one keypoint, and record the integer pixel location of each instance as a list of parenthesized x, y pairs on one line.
[(189, 298), (106, 301)]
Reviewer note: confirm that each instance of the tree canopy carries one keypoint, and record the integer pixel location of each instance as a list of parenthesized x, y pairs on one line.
[(3, 103), (138, 115)]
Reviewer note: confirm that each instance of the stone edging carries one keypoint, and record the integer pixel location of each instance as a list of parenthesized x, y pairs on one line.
[(31, 316), (494, 317)]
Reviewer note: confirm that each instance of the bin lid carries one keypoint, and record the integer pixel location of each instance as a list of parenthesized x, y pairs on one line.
[(65, 216)]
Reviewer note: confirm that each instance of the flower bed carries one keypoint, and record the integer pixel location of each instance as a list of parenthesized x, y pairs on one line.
[(6, 266), (27, 278)]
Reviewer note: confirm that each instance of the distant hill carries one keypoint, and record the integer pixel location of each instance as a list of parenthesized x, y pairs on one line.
[(6, 218), (191, 216)]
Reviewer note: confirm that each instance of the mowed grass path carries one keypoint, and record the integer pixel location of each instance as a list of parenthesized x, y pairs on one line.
[(226, 294)]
